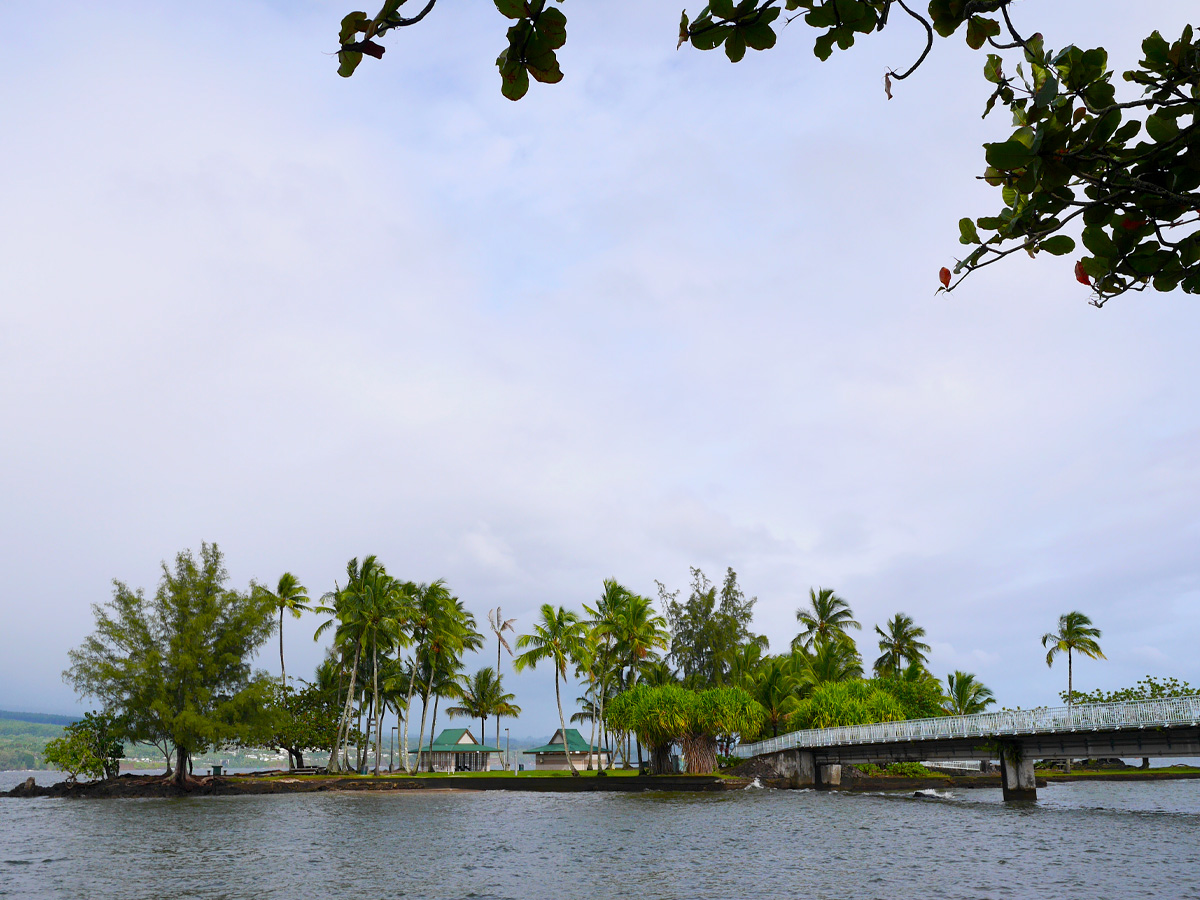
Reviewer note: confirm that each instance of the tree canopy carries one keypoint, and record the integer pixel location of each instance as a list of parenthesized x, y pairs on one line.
[(1123, 171), (177, 665)]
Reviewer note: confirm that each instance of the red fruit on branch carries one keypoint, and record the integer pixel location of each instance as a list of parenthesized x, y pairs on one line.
[(944, 277), (1131, 224), (1081, 276)]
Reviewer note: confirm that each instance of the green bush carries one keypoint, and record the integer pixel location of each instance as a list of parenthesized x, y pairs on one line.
[(907, 770)]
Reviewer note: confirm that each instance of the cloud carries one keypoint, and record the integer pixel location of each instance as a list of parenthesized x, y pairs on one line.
[(667, 313)]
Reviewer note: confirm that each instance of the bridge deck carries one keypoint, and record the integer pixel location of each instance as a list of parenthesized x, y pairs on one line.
[(1167, 727)]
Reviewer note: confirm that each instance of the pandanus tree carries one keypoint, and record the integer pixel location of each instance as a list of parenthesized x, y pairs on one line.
[(554, 639), (662, 717), (966, 695), (827, 617), (900, 645)]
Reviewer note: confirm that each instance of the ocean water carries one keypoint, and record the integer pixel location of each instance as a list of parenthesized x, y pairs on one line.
[(1099, 840)]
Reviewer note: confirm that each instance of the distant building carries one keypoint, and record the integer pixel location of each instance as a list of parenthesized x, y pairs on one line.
[(551, 756), (455, 750)]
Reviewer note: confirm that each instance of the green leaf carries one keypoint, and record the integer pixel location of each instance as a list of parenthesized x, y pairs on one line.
[(735, 45), (823, 47), (511, 9), (722, 8), (979, 29), (1162, 129), (969, 234), (759, 36), (552, 27), (514, 80), (348, 61), (711, 38), (993, 69), (1008, 155), (352, 24), (1059, 245)]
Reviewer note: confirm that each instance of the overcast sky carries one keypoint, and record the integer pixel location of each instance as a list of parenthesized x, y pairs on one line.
[(669, 312)]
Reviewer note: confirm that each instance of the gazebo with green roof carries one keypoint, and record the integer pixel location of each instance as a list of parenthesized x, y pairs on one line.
[(551, 755), (455, 750)]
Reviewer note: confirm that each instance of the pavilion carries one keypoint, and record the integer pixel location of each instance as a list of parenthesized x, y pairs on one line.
[(455, 750), (551, 756)]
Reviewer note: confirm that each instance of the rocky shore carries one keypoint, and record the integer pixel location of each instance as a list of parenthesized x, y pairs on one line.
[(142, 786)]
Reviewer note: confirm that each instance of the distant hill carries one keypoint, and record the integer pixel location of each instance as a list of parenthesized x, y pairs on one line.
[(37, 718)]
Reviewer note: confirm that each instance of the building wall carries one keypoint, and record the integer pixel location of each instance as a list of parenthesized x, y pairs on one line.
[(557, 762)]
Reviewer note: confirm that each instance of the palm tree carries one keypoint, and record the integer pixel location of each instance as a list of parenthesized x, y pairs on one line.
[(965, 695), (1076, 634), (451, 631), (827, 613), (829, 659), (291, 596), (900, 644), (483, 695), (499, 625), (631, 633), (775, 687), (554, 638)]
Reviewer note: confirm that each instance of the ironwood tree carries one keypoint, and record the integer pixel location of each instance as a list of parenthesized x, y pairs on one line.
[(181, 657), (1122, 171)]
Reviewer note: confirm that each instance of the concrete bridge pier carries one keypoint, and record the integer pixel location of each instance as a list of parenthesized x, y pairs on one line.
[(1016, 773), (797, 767)]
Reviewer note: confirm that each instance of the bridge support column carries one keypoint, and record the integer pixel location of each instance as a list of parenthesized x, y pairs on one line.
[(797, 767), (829, 776), (1016, 774)]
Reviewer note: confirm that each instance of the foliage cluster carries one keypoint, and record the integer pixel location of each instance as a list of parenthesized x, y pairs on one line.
[(90, 747), (174, 669), (695, 720), (1126, 168), (1148, 688)]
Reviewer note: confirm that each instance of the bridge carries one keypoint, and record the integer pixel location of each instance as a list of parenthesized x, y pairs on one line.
[(1138, 728)]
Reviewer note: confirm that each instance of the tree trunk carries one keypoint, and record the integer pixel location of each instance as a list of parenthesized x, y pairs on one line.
[(412, 681), (563, 724), (424, 710), (592, 736), (182, 762), (378, 709), (343, 733), (1070, 698)]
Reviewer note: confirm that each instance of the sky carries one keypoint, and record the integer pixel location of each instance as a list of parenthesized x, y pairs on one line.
[(670, 312)]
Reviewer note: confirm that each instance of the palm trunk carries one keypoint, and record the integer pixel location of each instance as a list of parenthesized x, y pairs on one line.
[(412, 678), (424, 710), (603, 694), (1070, 698), (412, 682), (377, 707), (563, 724), (592, 738), (344, 726), (282, 668)]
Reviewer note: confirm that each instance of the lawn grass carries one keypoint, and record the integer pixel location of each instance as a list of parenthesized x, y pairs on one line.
[(583, 773)]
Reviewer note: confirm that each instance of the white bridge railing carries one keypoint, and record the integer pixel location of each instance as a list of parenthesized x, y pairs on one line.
[(1133, 714)]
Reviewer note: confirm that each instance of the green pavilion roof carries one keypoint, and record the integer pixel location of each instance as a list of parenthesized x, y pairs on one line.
[(575, 743), (451, 741)]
